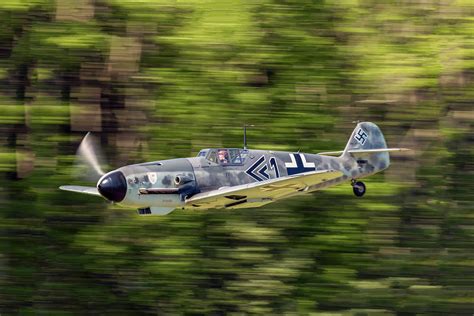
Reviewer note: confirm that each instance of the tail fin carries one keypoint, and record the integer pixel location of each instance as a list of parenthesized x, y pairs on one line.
[(368, 144), (365, 136), (366, 139), (367, 149)]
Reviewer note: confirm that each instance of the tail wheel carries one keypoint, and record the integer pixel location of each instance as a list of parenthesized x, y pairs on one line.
[(359, 188)]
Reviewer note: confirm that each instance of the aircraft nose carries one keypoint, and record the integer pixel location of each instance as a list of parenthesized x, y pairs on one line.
[(113, 186)]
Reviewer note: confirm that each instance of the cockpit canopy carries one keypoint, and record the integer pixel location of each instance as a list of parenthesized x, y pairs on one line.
[(224, 156)]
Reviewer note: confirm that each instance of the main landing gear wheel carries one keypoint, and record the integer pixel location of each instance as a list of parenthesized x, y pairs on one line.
[(358, 187)]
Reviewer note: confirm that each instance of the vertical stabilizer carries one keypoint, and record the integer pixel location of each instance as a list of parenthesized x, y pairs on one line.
[(368, 136), (365, 136)]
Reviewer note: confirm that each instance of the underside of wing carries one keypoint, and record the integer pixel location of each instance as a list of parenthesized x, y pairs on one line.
[(155, 210), (80, 189), (260, 193)]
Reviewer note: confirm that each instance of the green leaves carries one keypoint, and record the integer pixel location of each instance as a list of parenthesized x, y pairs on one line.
[(163, 79)]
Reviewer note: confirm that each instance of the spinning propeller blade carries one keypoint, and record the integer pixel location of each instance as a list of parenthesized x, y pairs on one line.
[(89, 158)]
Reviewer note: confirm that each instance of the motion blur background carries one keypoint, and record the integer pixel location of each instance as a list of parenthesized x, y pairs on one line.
[(162, 79)]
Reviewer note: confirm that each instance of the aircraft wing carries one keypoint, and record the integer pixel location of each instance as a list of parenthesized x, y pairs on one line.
[(259, 193), (80, 189)]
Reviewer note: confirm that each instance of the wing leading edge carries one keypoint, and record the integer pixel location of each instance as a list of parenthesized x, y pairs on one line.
[(80, 189), (259, 193)]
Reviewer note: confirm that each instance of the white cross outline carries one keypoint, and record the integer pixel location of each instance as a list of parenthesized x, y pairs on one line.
[(305, 163), (293, 164)]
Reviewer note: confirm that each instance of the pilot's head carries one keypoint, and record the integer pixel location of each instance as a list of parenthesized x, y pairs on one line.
[(222, 155)]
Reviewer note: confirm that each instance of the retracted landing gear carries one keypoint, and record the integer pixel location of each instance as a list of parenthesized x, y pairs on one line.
[(358, 187)]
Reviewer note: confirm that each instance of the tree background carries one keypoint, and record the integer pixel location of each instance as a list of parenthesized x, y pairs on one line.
[(159, 79)]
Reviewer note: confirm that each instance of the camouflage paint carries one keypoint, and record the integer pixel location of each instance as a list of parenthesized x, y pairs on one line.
[(207, 175)]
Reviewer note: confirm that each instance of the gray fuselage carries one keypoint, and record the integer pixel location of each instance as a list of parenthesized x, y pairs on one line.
[(204, 175)]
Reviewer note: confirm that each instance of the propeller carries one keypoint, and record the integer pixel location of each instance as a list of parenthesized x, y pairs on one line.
[(89, 159), (112, 186)]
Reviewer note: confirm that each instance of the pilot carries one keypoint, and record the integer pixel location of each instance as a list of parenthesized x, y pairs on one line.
[(222, 156)]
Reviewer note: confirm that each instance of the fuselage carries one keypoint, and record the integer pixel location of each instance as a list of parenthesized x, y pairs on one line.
[(168, 183), (231, 178)]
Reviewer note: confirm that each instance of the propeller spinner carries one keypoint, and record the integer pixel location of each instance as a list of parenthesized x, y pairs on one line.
[(113, 186)]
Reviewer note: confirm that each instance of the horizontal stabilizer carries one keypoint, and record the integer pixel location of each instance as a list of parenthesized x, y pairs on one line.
[(80, 189), (363, 151), (380, 150), (331, 153)]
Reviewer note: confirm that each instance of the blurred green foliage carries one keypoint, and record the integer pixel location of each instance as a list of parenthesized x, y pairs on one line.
[(162, 79)]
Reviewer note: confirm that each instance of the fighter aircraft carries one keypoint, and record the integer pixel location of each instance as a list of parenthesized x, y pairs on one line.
[(233, 178)]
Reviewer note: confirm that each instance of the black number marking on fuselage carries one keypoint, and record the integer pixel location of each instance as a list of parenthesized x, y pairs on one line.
[(274, 166), (258, 170)]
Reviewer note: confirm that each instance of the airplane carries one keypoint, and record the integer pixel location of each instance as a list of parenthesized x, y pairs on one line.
[(235, 178)]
